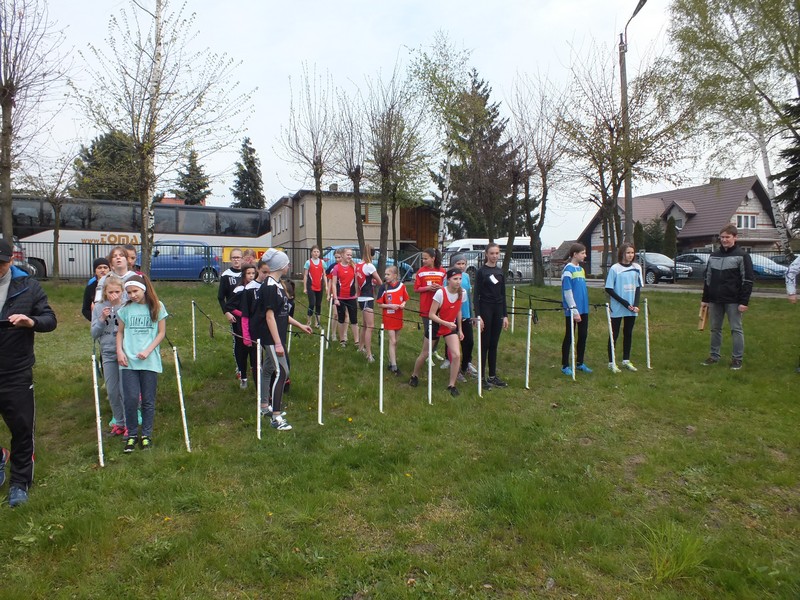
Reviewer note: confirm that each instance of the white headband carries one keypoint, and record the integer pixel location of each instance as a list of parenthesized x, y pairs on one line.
[(137, 284)]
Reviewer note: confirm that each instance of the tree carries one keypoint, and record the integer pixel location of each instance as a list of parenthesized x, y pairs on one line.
[(248, 187), (192, 186), (670, 244), (162, 95), (789, 178), (308, 140), (638, 237), (654, 236), (108, 168), (30, 63), (349, 152)]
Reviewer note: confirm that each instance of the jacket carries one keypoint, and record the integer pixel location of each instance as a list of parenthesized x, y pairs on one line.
[(729, 277), (25, 296)]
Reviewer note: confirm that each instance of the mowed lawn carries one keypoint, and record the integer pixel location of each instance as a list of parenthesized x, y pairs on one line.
[(678, 482)]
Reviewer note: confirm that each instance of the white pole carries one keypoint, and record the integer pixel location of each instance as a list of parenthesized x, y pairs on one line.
[(180, 398), (513, 305), (430, 360), (528, 351), (380, 375), (258, 388), (572, 343), (97, 412), (319, 377), (647, 331), (480, 360), (330, 317), (611, 336), (289, 343), (194, 333)]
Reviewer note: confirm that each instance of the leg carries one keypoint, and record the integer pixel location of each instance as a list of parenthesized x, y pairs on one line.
[(466, 345), (369, 325), (341, 327), (627, 336), (423, 355), (565, 345), (737, 332), (352, 313), (393, 335), (454, 348), (268, 368), (111, 375), (716, 313), (131, 389), (615, 323), (494, 340), (583, 331), (148, 381), (19, 413), (281, 373), (241, 357)]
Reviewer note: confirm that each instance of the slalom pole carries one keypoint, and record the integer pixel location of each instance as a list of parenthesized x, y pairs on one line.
[(258, 389), (97, 412), (330, 316), (572, 343), (430, 360), (180, 398), (319, 377), (194, 332), (480, 360), (380, 375), (513, 304), (528, 351), (647, 331), (289, 335), (611, 336)]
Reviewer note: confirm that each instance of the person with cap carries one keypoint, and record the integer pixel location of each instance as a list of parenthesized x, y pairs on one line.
[(24, 310), (101, 268), (270, 324)]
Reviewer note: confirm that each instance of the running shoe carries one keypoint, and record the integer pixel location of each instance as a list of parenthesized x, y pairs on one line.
[(117, 430), (614, 368), (370, 358), (280, 424), (711, 360), (460, 377), (414, 381), (628, 365), (130, 445), (736, 364), (497, 382), (453, 390), (243, 384), (567, 371), (437, 356), (17, 496), (146, 443), (584, 368), (4, 454), (471, 370), (445, 364)]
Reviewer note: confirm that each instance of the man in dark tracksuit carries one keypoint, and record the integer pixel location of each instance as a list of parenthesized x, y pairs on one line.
[(727, 285), (23, 310)]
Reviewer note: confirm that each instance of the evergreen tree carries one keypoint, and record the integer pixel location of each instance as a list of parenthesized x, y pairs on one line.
[(789, 178), (670, 246), (108, 168), (654, 236), (248, 187), (638, 236), (192, 181)]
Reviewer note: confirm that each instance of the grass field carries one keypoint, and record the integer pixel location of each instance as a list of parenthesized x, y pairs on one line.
[(679, 482)]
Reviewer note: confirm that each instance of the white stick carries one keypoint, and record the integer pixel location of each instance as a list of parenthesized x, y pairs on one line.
[(194, 333), (180, 398), (572, 343), (480, 360), (289, 343), (513, 305), (330, 317), (258, 389), (97, 412), (611, 336), (430, 360), (380, 375), (528, 351), (647, 331), (319, 377)]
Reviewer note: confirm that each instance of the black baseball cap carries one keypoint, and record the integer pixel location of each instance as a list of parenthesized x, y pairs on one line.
[(6, 251)]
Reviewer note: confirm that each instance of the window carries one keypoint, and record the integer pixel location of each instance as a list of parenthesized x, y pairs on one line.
[(233, 223), (746, 221), (371, 212), (197, 222), (301, 216), (165, 219), (113, 218), (678, 223)]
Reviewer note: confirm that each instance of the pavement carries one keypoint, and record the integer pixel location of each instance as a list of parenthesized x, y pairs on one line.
[(759, 291)]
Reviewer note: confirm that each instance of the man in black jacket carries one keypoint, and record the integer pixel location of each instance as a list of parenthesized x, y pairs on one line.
[(24, 309), (727, 285)]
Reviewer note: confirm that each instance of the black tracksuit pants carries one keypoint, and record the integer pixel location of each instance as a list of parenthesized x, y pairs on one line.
[(19, 412)]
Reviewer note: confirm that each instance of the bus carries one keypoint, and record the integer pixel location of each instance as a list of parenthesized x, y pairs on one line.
[(90, 228)]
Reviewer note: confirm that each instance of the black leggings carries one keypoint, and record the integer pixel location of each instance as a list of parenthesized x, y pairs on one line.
[(467, 344), (314, 302), (242, 353), (580, 340), (492, 316), (627, 335)]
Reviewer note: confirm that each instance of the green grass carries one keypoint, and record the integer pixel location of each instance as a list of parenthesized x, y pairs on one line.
[(679, 482)]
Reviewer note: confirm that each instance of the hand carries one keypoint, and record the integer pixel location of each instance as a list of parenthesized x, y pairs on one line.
[(336, 302), (279, 349), (460, 336), (21, 321), (576, 317), (106, 312), (231, 317), (793, 298), (505, 322), (742, 308), (452, 325), (704, 305), (634, 309), (307, 329), (122, 360), (480, 324), (142, 355)]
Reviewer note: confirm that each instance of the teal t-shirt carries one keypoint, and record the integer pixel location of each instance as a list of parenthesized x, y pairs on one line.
[(140, 331)]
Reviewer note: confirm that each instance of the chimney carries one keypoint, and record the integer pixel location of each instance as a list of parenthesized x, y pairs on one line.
[(716, 180)]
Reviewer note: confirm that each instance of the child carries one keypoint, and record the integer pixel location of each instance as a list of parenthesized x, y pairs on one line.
[(427, 281), (392, 298), (249, 257), (366, 277), (104, 329), (118, 259), (141, 330), (130, 253), (272, 321), (314, 284), (446, 311), (344, 296), (490, 306), (101, 268), (623, 284), (237, 305), (575, 300), (459, 261), (337, 257)]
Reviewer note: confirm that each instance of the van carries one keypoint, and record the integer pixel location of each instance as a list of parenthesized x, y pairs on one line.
[(467, 245)]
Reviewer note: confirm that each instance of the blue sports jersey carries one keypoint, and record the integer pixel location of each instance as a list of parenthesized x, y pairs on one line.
[(624, 280), (573, 279)]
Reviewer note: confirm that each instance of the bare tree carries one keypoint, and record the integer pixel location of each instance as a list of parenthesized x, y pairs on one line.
[(30, 62), (308, 139), (151, 87), (349, 151)]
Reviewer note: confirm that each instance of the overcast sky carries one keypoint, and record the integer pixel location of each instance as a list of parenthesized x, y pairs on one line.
[(353, 39)]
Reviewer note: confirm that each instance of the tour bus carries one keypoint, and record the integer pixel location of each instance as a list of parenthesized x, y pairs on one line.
[(90, 228)]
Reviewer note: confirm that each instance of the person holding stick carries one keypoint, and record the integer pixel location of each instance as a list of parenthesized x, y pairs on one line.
[(345, 293), (490, 306), (239, 306), (459, 261), (315, 284), (367, 277), (575, 300), (104, 329), (392, 298), (623, 285), (427, 281), (101, 268), (727, 285), (446, 312)]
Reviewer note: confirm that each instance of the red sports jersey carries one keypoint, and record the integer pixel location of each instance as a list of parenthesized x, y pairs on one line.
[(449, 308), (424, 278), (347, 281), (315, 274), (393, 317)]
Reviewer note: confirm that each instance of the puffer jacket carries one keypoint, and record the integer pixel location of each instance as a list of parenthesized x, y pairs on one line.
[(25, 296), (728, 277)]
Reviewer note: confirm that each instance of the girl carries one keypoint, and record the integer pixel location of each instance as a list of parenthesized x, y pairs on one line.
[(314, 284), (366, 277), (459, 261), (623, 285), (575, 300), (446, 311), (427, 281), (104, 329), (490, 306), (101, 269), (344, 296), (392, 298), (118, 259), (141, 330), (337, 257), (237, 305)]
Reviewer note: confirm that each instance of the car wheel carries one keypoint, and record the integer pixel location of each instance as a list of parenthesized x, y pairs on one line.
[(519, 275), (208, 276), (651, 278), (37, 268)]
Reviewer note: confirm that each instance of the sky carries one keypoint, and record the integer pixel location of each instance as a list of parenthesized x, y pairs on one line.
[(356, 39)]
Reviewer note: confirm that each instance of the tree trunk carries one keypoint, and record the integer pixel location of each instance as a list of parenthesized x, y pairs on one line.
[(780, 223), (512, 226), (56, 238), (536, 238), (606, 234), (355, 177), (384, 235), (318, 193), (395, 251), (6, 134)]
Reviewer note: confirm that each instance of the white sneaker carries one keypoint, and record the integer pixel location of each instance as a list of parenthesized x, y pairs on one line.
[(472, 370), (445, 364), (243, 384), (280, 424), (437, 356), (614, 368), (626, 364)]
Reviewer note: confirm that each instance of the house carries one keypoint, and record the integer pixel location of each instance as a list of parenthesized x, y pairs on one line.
[(699, 213)]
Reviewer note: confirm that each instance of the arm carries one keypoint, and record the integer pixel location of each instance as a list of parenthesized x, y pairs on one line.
[(791, 280), (272, 326), (299, 325), (747, 282), (41, 318), (88, 301), (100, 316), (335, 281), (160, 334), (122, 358), (305, 279)]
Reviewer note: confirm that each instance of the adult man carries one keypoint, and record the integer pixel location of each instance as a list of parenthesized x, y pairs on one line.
[(727, 284), (23, 310)]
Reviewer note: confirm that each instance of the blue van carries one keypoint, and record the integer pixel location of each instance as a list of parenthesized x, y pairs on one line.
[(182, 259)]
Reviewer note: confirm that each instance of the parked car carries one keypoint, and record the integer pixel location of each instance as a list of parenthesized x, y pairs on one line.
[(19, 259), (765, 268), (782, 259), (658, 267), (182, 259), (406, 270), (697, 261), (519, 269)]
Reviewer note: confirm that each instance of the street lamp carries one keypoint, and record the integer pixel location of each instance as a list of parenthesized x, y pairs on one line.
[(626, 140)]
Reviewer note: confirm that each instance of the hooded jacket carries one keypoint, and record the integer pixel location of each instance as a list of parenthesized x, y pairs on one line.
[(728, 277)]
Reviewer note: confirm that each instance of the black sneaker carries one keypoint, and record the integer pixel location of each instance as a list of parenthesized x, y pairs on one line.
[(497, 382), (736, 364), (414, 381), (453, 390), (130, 445), (487, 384), (711, 360), (145, 443)]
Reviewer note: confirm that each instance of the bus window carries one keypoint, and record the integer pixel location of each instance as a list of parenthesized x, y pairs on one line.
[(26, 217), (74, 216), (166, 220), (114, 217), (197, 222), (234, 223)]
